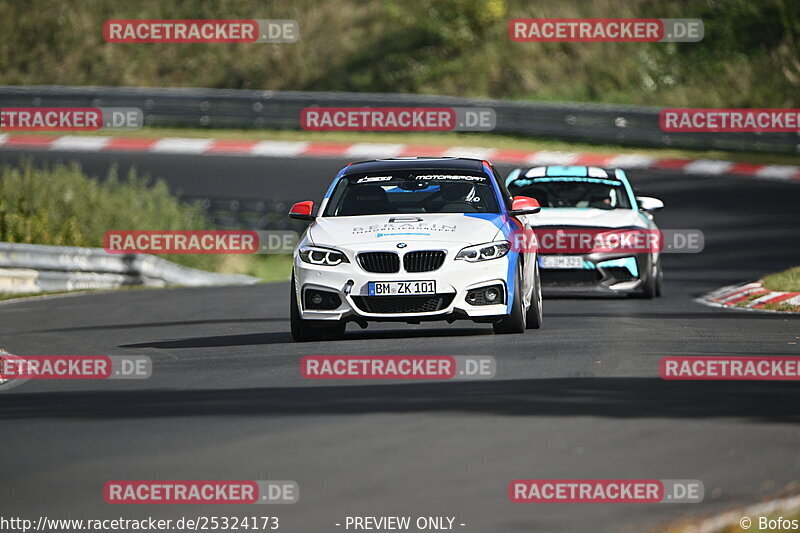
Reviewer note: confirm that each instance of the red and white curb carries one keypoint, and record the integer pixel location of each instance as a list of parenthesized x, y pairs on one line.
[(6, 384), (733, 295), (357, 151)]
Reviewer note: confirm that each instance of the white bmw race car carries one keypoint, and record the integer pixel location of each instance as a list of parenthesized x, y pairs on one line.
[(599, 205), (413, 239)]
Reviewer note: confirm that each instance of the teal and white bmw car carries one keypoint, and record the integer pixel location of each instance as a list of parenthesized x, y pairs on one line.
[(596, 203)]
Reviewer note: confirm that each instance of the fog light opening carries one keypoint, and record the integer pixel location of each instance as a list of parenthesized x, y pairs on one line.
[(491, 295), (322, 300)]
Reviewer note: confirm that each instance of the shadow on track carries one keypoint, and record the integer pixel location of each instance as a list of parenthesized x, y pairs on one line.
[(712, 314), (632, 398), (235, 321), (281, 337)]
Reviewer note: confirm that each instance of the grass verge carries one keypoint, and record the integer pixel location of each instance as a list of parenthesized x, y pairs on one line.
[(747, 57), (786, 281), (60, 205), (267, 268)]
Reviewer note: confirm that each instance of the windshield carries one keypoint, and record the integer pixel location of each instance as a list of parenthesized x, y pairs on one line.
[(419, 191), (567, 191)]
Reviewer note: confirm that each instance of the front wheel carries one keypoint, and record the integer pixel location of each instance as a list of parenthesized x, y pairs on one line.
[(515, 321), (649, 288), (533, 319), (659, 281), (311, 330)]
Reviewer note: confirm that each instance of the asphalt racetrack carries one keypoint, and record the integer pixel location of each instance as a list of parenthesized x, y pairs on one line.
[(580, 398)]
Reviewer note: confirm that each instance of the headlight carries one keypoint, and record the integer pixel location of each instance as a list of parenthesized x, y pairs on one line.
[(484, 252), (322, 256)]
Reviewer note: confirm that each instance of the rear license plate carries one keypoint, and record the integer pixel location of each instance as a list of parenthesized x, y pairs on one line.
[(560, 261), (395, 288)]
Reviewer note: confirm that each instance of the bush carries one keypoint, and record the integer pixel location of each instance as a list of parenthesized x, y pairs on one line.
[(62, 206)]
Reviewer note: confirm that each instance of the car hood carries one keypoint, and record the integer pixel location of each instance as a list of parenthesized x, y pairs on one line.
[(457, 228), (576, 216)]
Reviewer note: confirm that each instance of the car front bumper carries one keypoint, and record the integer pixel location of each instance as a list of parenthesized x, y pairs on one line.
[(453, 281), (601, 274)]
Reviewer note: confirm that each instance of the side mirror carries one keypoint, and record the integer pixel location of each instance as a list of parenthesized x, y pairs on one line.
[(302, 210), (649, 204), (524, 205)]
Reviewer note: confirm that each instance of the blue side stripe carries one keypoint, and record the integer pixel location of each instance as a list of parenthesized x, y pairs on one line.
[(504, 223), (334, 182)]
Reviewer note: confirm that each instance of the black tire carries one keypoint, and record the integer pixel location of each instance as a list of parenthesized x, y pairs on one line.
[(533, 319), (311, 330), (650, 283), (514, 322), (659, 281)]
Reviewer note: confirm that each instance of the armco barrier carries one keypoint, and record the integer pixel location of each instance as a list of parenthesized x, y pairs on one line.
[(226, 108), (27, 268)]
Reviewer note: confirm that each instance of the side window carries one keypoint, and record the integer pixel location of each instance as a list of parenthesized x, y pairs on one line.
[(503, 189)]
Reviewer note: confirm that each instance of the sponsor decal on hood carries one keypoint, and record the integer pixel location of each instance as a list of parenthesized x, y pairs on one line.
[(450, 227)]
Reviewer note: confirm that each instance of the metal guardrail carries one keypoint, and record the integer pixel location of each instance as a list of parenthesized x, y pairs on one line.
[(226, 108), (28, 268)]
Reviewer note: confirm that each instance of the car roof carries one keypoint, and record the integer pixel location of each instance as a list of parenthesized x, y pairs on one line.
[(403, 163), (577, 171)]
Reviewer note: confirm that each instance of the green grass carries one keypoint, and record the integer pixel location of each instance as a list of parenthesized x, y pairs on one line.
[(60, 205), (783, 307), (748, 57), (747, 300), (481, 140), (277, 267), (268, 268), (16, 296), (786, 281)]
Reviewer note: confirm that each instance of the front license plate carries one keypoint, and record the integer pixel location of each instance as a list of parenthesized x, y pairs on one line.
[(395, 288), (560, 261)]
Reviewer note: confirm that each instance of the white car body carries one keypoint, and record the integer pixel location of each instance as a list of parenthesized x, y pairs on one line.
[(637, 274), (410, 236)]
